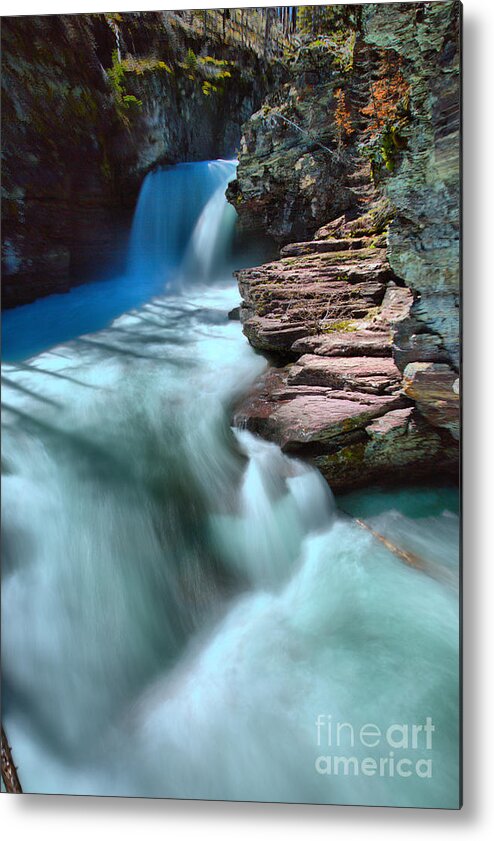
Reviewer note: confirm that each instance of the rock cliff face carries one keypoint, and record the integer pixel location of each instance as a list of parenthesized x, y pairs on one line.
[(195, 98), (362, 315), (294, 172), (58, 117), (90, 103), (424, 239)]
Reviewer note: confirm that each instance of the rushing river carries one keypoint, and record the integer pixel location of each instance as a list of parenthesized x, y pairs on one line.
[(186, 610)]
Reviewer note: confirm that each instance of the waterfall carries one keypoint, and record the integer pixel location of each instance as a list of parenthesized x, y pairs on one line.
[(182, 234), (112, 23), (208, 249), (181, 600), (183, 224)]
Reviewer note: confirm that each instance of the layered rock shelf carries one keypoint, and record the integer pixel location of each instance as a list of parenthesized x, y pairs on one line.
[(328, 313)]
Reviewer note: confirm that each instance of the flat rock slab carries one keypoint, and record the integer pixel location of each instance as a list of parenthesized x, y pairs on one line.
[(322, 246), (375, 375), (391, 425), (356, 342), (269, 334), (295, 416)]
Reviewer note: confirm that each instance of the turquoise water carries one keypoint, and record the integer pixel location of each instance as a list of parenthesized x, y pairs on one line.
[(186, 609), (421, 520)]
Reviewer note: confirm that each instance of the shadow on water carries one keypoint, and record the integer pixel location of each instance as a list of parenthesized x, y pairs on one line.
[(35, 369), (29, 392), (110, 349)]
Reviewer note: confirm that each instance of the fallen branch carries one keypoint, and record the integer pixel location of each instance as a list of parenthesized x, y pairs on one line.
[(408, 557), (436, 571)]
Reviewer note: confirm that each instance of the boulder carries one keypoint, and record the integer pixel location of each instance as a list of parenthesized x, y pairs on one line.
[(399, 446), (436, 391)]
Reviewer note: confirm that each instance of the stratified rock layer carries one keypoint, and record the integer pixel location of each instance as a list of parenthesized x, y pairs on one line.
[(330, 294), (374, 375), (335, 310)]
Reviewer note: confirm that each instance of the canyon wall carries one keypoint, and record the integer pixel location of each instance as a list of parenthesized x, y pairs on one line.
[(359, 157)]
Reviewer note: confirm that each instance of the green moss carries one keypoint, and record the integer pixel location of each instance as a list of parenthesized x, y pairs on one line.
[(123, 100), (130, 99), (340, 327), (208, 88), (372, 313), (389, 147), (211, 73), (116, 75), (353, 454), (210, 61), (139, 66)]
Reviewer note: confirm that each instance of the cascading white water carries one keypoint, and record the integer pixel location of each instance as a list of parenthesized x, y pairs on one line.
[(183, 222), (182, 601), (208, 249)]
